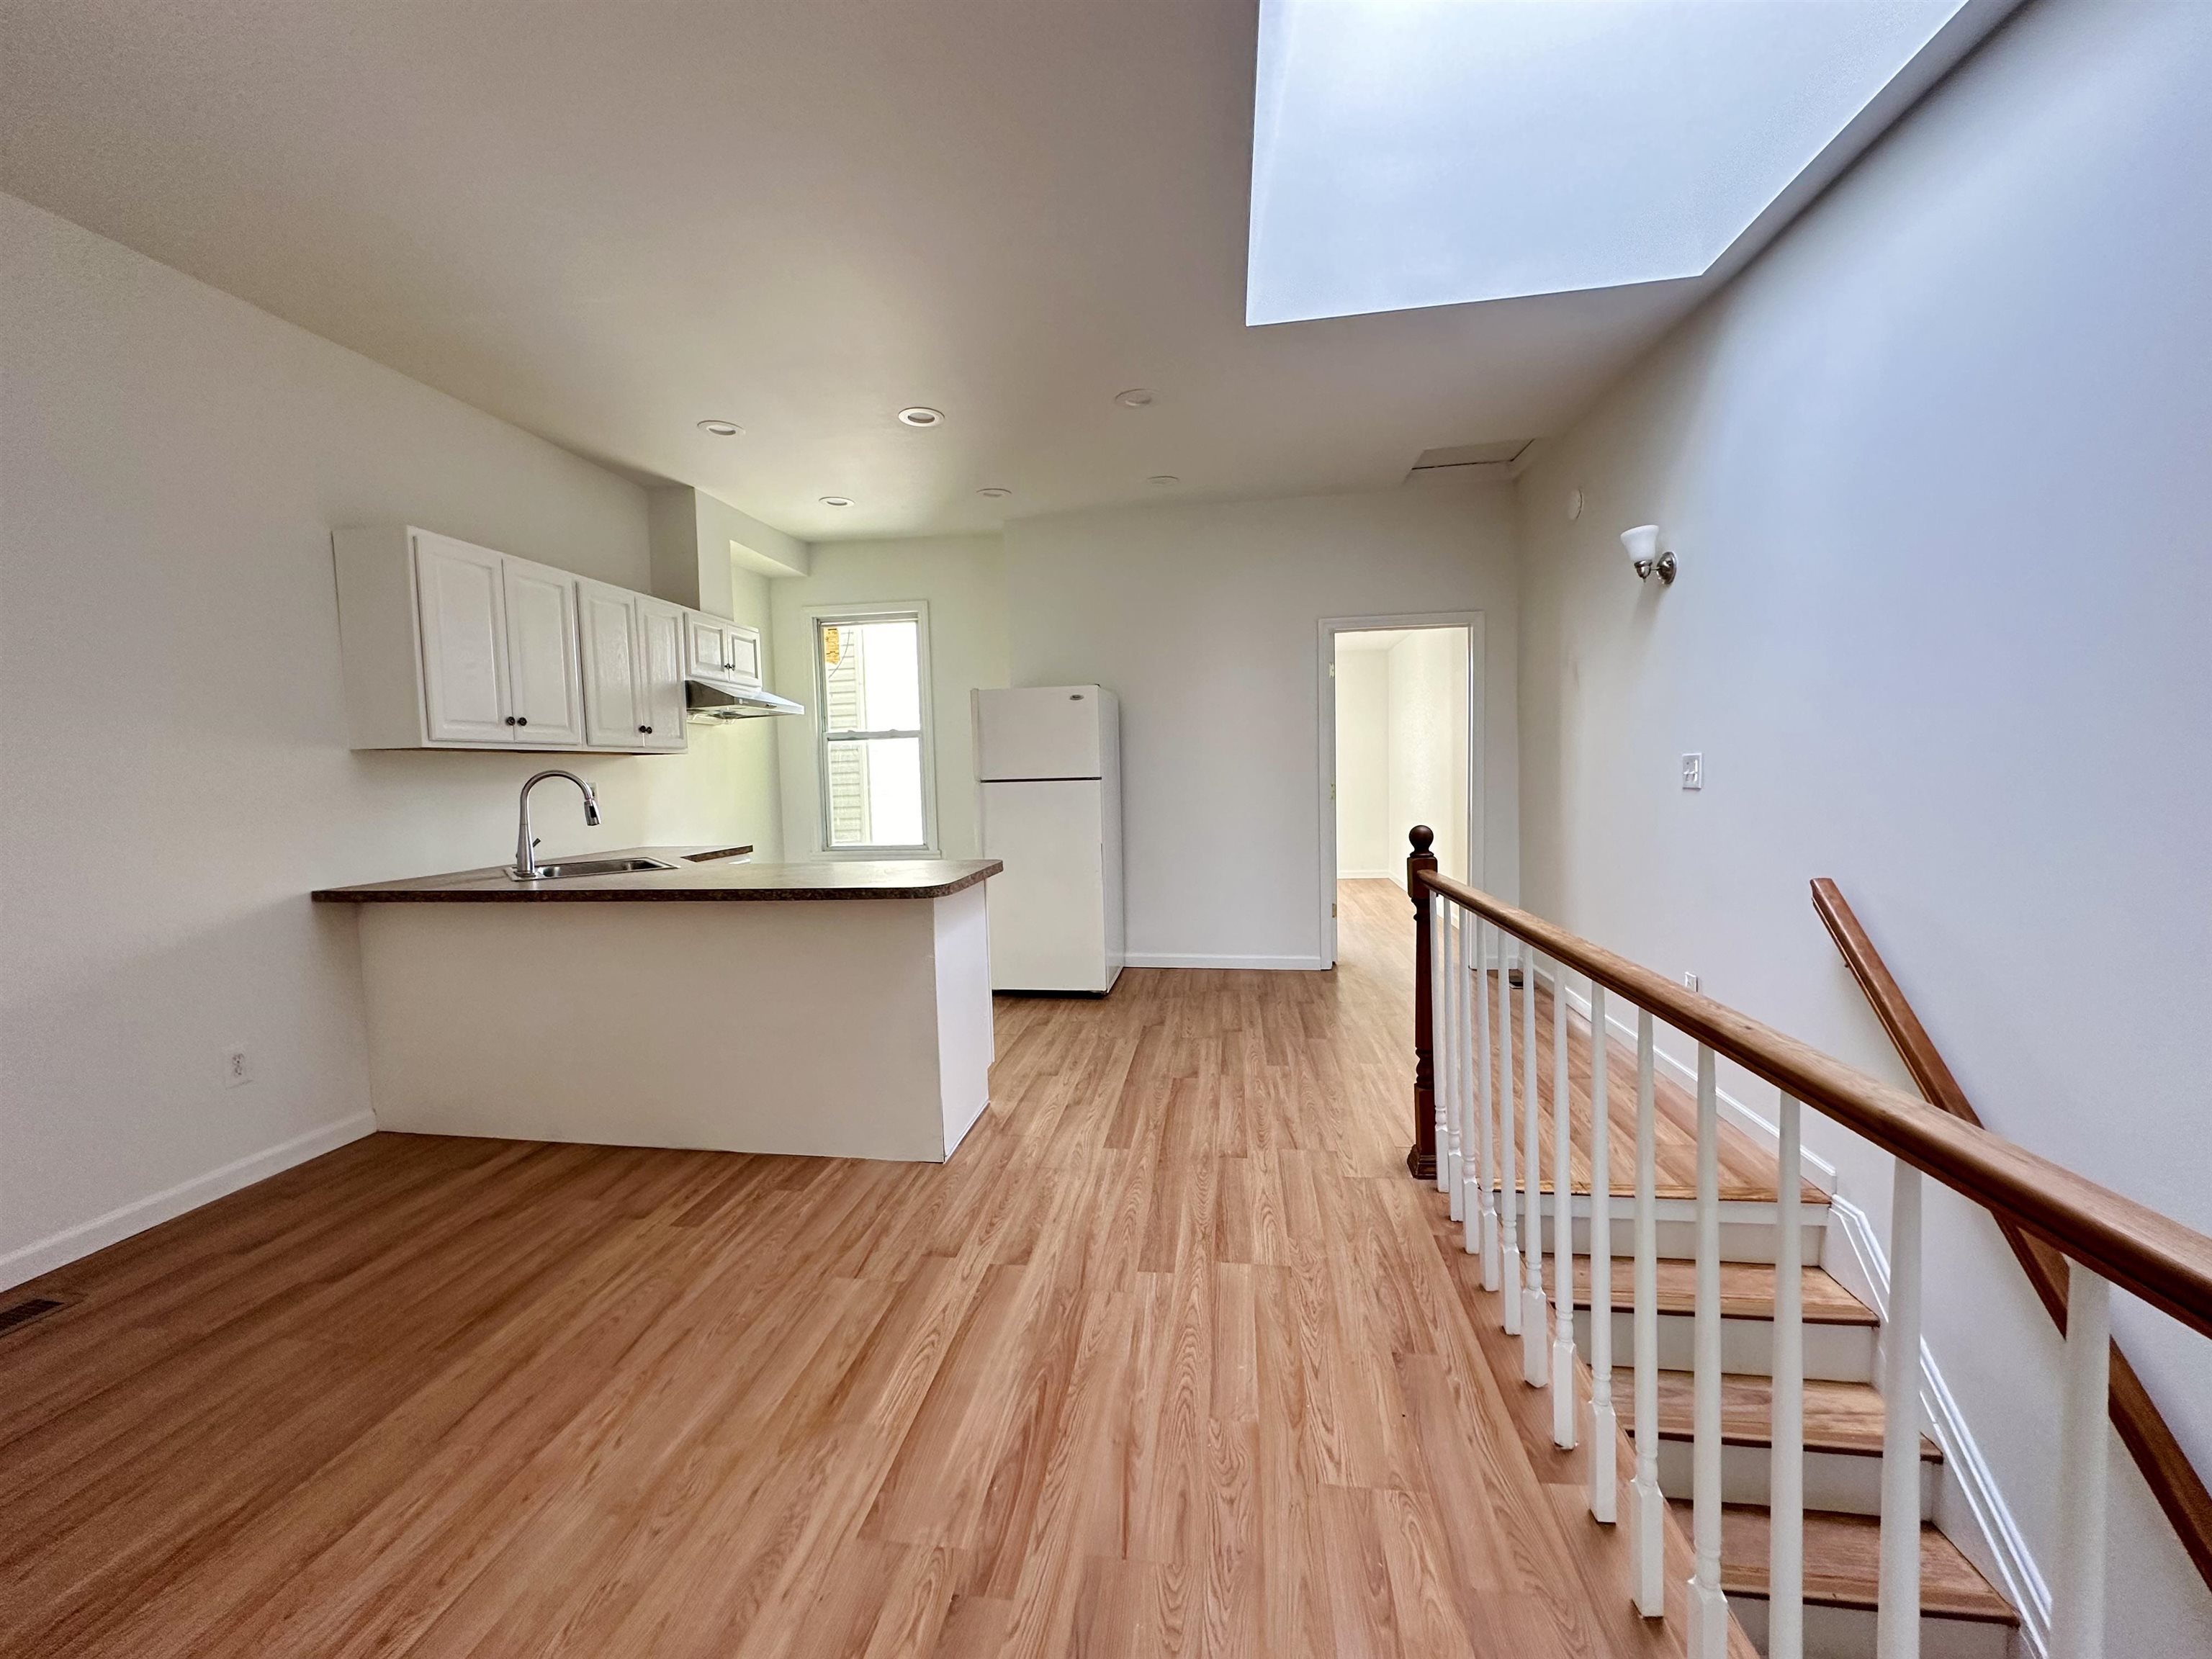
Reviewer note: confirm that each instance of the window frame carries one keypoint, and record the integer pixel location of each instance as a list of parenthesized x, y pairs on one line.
[(917, 612)]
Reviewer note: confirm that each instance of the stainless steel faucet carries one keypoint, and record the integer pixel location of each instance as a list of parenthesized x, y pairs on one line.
[(525, 844)]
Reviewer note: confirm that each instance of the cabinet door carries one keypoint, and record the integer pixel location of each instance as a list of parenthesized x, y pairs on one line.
[(661, 658), (705, 652), (745, 653), (542, 671), (460, 599), (614, 680)]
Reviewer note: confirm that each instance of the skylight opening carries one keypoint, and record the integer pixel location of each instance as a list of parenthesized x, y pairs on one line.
[(1411, 153)]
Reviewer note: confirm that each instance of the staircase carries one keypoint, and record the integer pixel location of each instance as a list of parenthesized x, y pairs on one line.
[(1963, 1616), (1812, 1514)]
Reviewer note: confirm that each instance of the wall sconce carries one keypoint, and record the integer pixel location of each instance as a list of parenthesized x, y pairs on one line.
[(1643, 545)]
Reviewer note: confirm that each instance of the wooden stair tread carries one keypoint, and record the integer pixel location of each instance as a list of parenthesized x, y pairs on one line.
[(1839, 1417), (1747, 1168), (1843, 1565), (1746, 1291)]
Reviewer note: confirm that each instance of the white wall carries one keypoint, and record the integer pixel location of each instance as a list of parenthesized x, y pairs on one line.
[(1936, 469), (1368, 843), (177, 778), (1428, 741), (963, 579), (1206, 619)]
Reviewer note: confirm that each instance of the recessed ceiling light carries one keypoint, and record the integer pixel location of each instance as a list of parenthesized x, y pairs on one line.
[(722, 428), (994, 492), (920, 416), (837, 500), (1136, 397), (1164, 479)]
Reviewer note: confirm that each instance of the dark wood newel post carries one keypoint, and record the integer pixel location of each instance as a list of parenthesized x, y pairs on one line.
[(1421, 1160)]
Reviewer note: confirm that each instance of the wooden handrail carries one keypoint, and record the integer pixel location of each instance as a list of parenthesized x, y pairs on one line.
[(2166, 1466), (2148, 1255)]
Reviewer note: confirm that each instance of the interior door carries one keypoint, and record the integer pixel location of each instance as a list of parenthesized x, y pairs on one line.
[(661, 659), (545, 680), (461, 603), (614, 680)]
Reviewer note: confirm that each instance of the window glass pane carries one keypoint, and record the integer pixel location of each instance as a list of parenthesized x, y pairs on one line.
[(872, 676), (875, 791)]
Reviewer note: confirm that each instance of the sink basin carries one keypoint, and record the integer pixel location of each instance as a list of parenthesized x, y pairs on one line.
[(570, 867)]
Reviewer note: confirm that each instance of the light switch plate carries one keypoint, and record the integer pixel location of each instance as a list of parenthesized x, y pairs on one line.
[(1693, 771)]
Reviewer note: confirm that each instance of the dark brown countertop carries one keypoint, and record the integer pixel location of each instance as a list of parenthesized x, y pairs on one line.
[(701, 873)]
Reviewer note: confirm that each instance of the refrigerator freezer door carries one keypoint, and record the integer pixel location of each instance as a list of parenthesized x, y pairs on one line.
[(1048, 908), (1038, 732)]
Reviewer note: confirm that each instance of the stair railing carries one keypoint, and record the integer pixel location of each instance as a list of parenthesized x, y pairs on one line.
[(1470, 947), (2174, 1480)]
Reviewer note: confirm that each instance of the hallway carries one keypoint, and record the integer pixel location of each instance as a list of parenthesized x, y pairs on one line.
[(1172, 1358)]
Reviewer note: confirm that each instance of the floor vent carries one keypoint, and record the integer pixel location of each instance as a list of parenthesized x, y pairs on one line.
[(18, 1315)]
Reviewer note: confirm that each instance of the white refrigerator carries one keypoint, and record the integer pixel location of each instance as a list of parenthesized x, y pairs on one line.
[(1048, 772)]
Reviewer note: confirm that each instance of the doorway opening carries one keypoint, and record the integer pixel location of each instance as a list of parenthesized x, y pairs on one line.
[(1400, 719)]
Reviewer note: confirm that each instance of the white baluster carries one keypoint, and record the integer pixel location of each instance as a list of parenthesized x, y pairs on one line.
[(1897, 1613), (1604, 1464), (1535, 1341), (1785, 1567), (1448, 1141), (1709, 1615), (1647, 1504), (1508, 1129), (1485, 1108), (2077, 1598), (1563, 1223), (1439, 1027), (1470, 1161)]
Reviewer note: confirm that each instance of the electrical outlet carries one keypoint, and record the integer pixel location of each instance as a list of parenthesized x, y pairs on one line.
[(1693, 771), (237, 1067), (1689, 981)]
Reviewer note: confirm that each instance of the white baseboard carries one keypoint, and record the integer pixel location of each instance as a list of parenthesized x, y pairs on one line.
[(1817, 1169), (1177, 959), (1369, 875), (72, 1244), (1970, 1510)]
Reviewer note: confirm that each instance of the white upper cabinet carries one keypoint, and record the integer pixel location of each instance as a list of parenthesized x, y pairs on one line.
[(705, 656), (632, 669), (718, 650), (446, 645), (744, 655), (461, 594), (614, 684), (541, 655), (660, 655)]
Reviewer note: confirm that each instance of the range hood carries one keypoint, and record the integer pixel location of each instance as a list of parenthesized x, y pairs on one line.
[(714, 700)]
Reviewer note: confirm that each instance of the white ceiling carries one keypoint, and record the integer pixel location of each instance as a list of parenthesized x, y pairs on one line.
[(606, 220)]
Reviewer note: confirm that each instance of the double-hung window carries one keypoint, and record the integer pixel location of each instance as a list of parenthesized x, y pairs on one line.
[(872, 674)]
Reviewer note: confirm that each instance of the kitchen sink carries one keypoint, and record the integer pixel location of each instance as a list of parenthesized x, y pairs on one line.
[(570, 867)]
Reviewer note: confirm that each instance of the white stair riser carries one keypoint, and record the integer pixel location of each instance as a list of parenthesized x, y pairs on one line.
[(1835, 1353), (1845, 1483), (1747, 1231), (1848, 1632)]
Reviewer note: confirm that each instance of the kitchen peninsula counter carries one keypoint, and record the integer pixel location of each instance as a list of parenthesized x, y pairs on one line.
[(834, 1009), (706, 874)]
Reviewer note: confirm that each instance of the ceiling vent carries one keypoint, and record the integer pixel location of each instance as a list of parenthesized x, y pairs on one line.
[(1492, 461)]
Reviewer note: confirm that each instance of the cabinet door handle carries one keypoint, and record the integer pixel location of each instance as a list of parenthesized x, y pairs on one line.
[(646, 730), (510, 720), (522, 719)]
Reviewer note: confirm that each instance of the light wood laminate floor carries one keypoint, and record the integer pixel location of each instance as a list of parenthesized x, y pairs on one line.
[(1173, 1358)]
